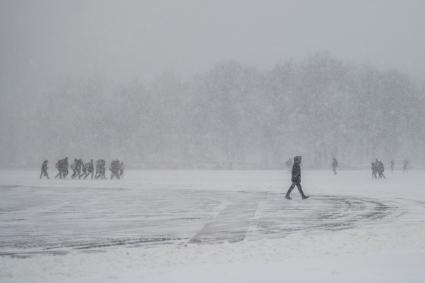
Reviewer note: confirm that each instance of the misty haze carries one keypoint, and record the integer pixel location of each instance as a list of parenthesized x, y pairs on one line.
[(132, 130)]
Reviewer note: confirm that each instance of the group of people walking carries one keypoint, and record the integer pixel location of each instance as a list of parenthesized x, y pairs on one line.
[(377, 167), (84, 170)]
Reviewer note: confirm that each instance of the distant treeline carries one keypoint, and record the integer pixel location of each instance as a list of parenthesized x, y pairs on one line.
[(231, 116)]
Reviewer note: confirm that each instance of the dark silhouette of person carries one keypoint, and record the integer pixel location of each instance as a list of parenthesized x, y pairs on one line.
[(44, 169), (100, 169), (334, 165), (80, 168), (64, 167), (374, 168), (121, 169), (59, 167), (392, 165), (89, 169), (115, 169), (405, 165), (296, 178), (380, 169), (74, 167)]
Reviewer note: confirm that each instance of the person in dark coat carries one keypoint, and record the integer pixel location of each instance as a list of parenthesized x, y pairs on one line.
[(80, 168), (84, 169), (334, 165), (405, 165), (59, 167), (121, 169), (100, 169), (89, 167), (374, 168), (64, 167), (380, 169), (44, 169), (115, 169), (74, 167), (296, 178)]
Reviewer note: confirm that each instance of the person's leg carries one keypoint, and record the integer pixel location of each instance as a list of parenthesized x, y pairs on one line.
[(300, 189), (288, 193)]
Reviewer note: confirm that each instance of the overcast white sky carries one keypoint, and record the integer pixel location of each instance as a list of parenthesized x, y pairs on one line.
[(45, 40)]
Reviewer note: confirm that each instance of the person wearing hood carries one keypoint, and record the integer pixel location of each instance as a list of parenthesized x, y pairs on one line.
[(296, 179)]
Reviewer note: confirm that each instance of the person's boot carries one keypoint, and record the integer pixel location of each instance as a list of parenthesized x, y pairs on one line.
[(288, 197), (305, 197)]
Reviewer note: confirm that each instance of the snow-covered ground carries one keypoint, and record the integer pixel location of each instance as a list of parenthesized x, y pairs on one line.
[(213, 226)]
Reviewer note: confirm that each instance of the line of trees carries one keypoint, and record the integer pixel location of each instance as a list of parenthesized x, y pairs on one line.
[(229, 116)]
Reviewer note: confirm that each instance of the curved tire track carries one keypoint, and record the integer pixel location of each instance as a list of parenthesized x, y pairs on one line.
[(45, 220)]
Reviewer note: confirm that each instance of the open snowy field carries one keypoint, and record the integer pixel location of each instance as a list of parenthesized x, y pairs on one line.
[(213, 226)]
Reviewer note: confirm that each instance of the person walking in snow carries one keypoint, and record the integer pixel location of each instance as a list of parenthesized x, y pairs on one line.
[(44, 169), (74, 167), (64, 167), (59, 168), (374, 168), (392, 165), (296, 179), (115, 169), (334, 165), (405, 165), (122, 169), (80, 168), (380, 169), (89, 169), (100, 169)]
